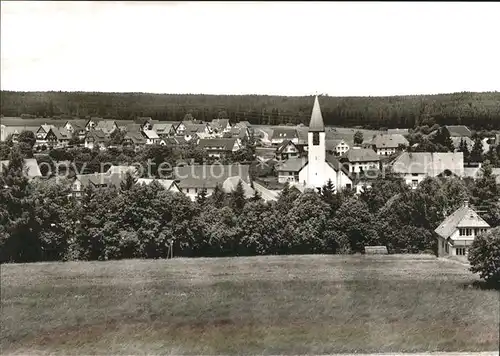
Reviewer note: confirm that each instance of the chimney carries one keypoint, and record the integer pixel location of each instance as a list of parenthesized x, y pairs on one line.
[(466, 203)]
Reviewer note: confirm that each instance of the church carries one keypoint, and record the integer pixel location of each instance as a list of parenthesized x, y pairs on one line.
[(319, 167)]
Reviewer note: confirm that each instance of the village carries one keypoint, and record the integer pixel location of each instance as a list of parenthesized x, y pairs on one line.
[(303, 157)]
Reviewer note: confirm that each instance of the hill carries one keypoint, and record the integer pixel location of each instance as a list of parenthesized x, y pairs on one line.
[(255, 305), (477, 110)]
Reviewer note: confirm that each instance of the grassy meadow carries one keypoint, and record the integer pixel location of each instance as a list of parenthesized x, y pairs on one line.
[(258, 305)]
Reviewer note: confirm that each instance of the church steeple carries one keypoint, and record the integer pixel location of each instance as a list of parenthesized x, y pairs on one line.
[(316, 123)]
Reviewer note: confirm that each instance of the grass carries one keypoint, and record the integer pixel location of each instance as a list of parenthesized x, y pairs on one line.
[(259, 305)]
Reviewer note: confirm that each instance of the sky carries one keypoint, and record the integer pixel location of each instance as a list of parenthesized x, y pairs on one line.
[(273, 48)]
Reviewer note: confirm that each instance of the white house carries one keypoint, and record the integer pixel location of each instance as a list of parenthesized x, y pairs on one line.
[(416, 166), (386, 145), (361, 159), (315, 170), (287, 150), (338, 146), (457, 231), (218, 147), (152, 137)]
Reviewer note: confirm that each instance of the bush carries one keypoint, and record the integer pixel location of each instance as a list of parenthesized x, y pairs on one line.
[(484, 256)]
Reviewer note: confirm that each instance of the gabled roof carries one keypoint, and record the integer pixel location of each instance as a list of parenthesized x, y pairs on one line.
[(388, 141), (458, 130), (208, 176), (226, 144), (284, 145), (151, 134), (107, 126), (292, 165), (243, 124), (162, 128), (194, 128), (97, 136), (136, 137), (316, 123), (362, 155), (464, 216), (231, 182), (61, 133), (32, 169), (219, 123), (284, 133), (429, 163)]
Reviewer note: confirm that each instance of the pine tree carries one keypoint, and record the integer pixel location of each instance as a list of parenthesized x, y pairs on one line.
[(201, 197), (476, 155), (218, 196), (238, 197), (128, 182)]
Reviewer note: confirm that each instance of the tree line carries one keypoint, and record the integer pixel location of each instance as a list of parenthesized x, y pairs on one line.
[(480, 111), (41, 221)]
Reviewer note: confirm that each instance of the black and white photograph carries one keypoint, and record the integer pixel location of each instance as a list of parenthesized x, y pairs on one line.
[(250, 178)]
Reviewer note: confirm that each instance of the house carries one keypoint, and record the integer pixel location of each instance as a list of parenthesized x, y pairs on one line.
[(76, 128), (361, 159), (152, 137), (196, 177), (146, 123), (168, 184), (458, 131), (164, 130), (106, 126), (218, 147), (42, 132), (387, 144), (287, 150), (31, 168), (134, 139), (97, 181), (220, 125), (457, 232), (180, 128), (416, 166), (338, 146), (95, 138), (58, 137), (92, 123), (284, 133)]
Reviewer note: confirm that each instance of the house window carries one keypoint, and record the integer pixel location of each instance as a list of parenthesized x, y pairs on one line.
[(196, 190), (461, 232), (187, 190), (460, 251), (315, 138), (414, 183)]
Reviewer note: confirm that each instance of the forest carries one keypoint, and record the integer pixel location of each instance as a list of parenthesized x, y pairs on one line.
[(479, 111)]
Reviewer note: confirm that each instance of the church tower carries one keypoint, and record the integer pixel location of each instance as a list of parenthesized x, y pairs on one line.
[(316, 148)]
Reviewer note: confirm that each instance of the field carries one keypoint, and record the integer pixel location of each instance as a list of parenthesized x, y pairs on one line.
[(258, 305)]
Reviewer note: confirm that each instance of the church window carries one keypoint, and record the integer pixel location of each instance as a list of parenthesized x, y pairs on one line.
[(315, 138)]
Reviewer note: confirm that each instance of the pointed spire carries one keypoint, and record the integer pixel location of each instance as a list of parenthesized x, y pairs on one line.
[(316, 123)]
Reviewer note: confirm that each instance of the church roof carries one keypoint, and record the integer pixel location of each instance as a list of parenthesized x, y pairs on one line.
[(316, 124)]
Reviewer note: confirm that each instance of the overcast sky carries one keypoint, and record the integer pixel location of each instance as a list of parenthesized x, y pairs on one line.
[(251, 47)]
